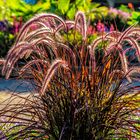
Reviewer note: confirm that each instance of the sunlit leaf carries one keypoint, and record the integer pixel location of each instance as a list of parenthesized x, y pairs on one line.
[(71, 13), (63, 5)]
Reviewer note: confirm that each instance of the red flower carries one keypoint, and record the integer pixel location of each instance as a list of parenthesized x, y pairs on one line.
[(90, 30), (112, 27), (100, 27), (131, 6)]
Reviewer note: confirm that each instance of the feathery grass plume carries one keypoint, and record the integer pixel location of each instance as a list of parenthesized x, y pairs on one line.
[(125, 34), (50, 73), (134, 71), (90, 100), (69, 24), (15, 58), (36, 19), (38, 64), (116, 41), (10, 54), (134, 44), (36, 33), (122, 56), (81, 19)]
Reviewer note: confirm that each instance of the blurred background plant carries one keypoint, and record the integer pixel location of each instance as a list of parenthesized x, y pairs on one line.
[(102, 18), (135, 18), (6, 37), (13, 15)]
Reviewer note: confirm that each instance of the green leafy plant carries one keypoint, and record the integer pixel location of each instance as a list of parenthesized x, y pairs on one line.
[(125, 8), (84, 91), (19, 8), (15, 13), (135, 18), (127, 14), (68, 9)]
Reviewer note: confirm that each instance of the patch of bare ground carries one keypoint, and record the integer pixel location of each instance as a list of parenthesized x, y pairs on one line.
[(10, 99)]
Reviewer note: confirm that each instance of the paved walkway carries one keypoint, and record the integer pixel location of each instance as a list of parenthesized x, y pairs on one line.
[(13, 85)]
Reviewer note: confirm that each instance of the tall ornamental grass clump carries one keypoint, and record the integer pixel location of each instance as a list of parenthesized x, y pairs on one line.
[(86, 91)]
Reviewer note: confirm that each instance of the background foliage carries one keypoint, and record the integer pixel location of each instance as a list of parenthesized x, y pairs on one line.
[(19, 11)]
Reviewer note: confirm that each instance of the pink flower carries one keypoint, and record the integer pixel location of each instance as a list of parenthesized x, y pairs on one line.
[(90, 30), (100, 27), (112, 27), (113, 11), (120, 13), (123, 15), (17, 24)]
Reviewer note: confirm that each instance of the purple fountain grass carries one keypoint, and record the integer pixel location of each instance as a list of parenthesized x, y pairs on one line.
[(50, 73), (134, 69), (36, 19), (80, 16), (134, 45), (32, 62), (69, 24), (30, 41), (125, 34), (81, 85), (39, 32), (115, 40), (24, 49), (14, 58), (121, 55), (10, 54)]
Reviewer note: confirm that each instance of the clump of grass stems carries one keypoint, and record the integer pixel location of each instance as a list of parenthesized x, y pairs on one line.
[(84, 92)]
